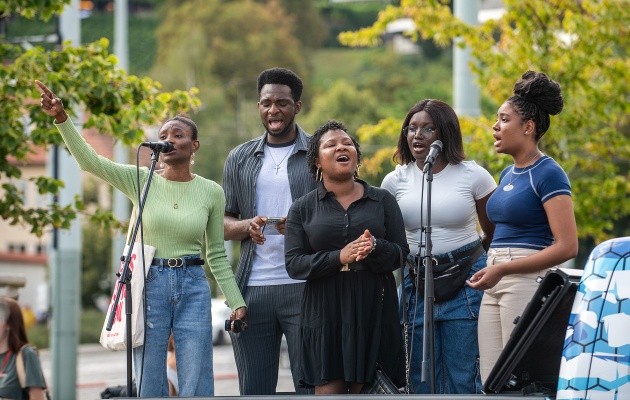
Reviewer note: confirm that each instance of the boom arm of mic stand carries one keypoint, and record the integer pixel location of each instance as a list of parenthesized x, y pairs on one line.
[(428, 345), (125, 276)]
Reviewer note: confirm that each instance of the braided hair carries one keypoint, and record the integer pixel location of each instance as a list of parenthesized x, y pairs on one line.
[(312, 151), (535, 98)]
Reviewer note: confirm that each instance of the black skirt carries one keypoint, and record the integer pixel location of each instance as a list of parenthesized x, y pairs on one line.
[(350, 322)]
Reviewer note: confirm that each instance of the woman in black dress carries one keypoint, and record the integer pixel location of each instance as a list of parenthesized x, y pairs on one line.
[(345, 239)]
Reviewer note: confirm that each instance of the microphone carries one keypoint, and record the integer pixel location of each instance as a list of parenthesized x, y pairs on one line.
[(436, 149), (160, 147)]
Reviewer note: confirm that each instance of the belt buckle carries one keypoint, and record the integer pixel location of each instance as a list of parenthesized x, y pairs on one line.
[(424, 261), (175, 262)]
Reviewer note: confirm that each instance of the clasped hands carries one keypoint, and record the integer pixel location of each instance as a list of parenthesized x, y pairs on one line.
[(358, 249)]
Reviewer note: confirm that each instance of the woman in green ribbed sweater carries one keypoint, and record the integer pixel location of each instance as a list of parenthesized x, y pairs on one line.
[(181, 211)]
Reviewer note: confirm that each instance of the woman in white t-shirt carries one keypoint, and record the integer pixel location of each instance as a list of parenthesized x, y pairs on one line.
[(460, 190)]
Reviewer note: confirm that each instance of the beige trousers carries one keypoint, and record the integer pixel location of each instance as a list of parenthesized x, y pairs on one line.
[(501, 305)]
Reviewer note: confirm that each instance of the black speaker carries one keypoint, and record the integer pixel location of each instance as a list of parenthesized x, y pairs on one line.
[(530, 361)]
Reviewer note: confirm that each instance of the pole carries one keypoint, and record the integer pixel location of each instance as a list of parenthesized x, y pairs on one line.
[(65, 258), (120, 205), (466, 97)]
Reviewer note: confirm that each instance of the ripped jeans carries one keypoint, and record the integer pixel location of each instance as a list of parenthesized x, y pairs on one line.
[(177, 299)]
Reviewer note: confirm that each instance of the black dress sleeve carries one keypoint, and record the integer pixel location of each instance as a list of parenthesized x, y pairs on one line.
[(300, 259), (386, 257)]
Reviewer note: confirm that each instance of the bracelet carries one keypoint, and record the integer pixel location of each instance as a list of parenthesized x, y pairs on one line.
[(373, 244)]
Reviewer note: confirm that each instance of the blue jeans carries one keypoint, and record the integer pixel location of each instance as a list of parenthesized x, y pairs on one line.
[(455, 338), (177, 299)]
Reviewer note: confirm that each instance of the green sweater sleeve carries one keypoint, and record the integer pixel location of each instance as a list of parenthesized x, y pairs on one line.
[(174, 232), (215, 251), (122, 177)]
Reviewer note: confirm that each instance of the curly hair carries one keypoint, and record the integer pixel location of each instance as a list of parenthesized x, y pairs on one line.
[(448, 131), (185, 118), (281, 76), (536, 97), (312, 151)]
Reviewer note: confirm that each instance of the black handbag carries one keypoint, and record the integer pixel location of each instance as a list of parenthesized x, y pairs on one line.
[(380, 385), (448, 279)]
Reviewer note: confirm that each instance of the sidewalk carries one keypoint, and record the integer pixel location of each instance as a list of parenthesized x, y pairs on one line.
[(98, 369)]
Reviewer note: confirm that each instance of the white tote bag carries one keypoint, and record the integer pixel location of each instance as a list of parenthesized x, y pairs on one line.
[(116, 339)]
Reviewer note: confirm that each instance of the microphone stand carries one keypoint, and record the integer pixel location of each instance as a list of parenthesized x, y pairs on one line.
[(125, 276), (428, 345)]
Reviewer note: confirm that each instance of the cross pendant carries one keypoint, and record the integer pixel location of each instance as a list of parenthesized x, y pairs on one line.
[(277, 167)]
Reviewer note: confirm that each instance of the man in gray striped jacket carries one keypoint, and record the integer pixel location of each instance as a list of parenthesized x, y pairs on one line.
[(261, 179)]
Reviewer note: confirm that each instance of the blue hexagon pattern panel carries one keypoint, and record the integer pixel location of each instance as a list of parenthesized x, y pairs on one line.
[(596, 356)]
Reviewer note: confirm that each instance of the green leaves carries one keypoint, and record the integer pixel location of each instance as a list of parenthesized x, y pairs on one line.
[(86, 78), (582, 45)]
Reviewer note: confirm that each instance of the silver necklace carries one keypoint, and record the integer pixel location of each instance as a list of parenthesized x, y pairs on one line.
[(277, 167), (509, 186)]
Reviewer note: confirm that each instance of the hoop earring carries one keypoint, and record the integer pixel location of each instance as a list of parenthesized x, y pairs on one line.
[(318, 175), (356, 173), (192, 161)]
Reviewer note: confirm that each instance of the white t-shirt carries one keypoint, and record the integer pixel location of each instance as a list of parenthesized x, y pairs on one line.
[(453, 212), (273, 199)]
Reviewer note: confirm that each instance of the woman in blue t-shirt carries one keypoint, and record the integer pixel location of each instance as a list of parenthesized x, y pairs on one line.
[(532, 211)]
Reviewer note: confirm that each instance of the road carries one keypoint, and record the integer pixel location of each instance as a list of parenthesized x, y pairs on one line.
[(99, 368)]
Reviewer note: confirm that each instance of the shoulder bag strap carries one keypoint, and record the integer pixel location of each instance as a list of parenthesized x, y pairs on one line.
[(21, 373), (19, 367)]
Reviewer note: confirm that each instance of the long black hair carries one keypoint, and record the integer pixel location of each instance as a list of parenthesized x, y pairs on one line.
[(448, 131)]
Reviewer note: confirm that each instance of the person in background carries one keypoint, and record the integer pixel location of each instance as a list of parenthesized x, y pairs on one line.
[(345, 238), (183, 212), (13, 339), (531, 209), (459, 194), (171, 368), (261, 179)]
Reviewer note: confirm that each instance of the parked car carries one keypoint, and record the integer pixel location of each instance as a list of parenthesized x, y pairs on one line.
[(220, 313)]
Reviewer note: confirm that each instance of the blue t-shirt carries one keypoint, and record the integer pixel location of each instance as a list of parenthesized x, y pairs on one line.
[(518, 214)]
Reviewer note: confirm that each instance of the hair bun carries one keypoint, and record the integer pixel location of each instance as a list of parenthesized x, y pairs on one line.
[(538, 88)]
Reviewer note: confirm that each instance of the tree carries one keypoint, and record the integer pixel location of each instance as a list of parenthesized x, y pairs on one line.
[(87, 77), (310, 28), (221, 47), (210, 42), (345, 103), (584, 45)]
